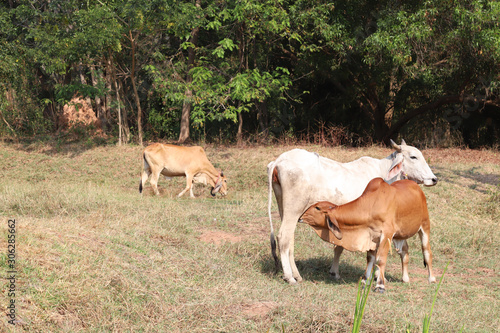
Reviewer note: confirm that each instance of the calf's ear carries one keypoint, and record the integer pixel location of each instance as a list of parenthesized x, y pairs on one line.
[(334, 227)]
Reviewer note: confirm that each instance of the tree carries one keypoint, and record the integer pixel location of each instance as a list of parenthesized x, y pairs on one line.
[(397, 61)]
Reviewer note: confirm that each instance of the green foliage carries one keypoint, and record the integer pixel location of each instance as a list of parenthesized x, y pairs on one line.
[(371, 67), (64, 93)]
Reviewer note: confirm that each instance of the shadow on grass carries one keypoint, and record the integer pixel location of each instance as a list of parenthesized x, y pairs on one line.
[(317, 270), (68, 144), (473, 174)]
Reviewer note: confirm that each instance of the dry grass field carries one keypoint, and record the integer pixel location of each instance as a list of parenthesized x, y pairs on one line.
[(93, 255)]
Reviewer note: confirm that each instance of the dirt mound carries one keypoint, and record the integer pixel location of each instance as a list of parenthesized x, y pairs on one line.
[(78, 112)]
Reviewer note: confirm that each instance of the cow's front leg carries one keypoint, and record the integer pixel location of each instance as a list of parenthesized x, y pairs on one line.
[(382, 252), (334, 270), (295, 271), (402, 247), (189, 185)]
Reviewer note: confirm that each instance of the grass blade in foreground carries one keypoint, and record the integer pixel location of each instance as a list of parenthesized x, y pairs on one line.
[(427, 318), (361, 299)]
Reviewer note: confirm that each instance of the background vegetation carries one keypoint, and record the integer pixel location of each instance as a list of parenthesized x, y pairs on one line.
[(360, 71), (93, 255)]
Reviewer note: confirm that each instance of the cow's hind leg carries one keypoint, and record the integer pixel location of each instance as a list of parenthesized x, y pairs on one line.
[(334, 270), (155, 175), (285, 243), (146, 171), (144, 178), (402, 247), (426, 251)]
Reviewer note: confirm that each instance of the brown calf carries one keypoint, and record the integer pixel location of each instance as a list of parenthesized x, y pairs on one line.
[(383, 213)]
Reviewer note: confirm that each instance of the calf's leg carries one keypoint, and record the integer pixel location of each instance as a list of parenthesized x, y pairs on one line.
[(402, 247), (334, 270)]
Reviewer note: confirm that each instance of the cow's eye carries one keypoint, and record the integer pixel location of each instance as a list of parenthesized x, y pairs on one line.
[(413, 157), (317, 208)]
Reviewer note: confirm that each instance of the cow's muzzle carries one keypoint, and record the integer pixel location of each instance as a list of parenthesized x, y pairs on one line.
[(430, 181)]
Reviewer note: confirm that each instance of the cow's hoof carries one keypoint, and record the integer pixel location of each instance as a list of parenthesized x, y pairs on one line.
[(290, 280), (379, 290), (432, 279), (335, 276)]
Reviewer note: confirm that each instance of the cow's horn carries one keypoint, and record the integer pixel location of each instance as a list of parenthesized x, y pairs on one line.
[(216, 188), (395, 146)]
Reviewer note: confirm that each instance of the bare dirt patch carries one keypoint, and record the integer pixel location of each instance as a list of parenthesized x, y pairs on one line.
[(259, 309), (219, 237), (248, 230)]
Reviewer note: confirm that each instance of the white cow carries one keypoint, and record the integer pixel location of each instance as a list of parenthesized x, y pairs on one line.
[(300, 179)]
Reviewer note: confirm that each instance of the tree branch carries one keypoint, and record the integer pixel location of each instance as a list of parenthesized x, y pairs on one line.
[(453, 99)]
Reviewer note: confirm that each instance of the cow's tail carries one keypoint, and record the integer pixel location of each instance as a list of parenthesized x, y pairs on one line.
[(143, 169), (270, 170)]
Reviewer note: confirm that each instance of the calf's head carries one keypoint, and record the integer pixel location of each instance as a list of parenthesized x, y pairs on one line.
[(220, 185), (320, 216), (411, 162)]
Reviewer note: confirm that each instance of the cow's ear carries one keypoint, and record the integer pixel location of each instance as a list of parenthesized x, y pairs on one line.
[(396, 167), (334, 227), (221, 174)]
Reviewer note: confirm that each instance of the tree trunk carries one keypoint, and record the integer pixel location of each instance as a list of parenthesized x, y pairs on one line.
[(122, 125), (108, 99), (186, 107), (186, 112), (262, 113), (239, 135), (98, 102), (136, 95), (83, 80), (126, 129)]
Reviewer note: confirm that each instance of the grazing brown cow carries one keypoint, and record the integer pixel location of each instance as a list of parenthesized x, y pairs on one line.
[(176, 161), (383, 213)]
